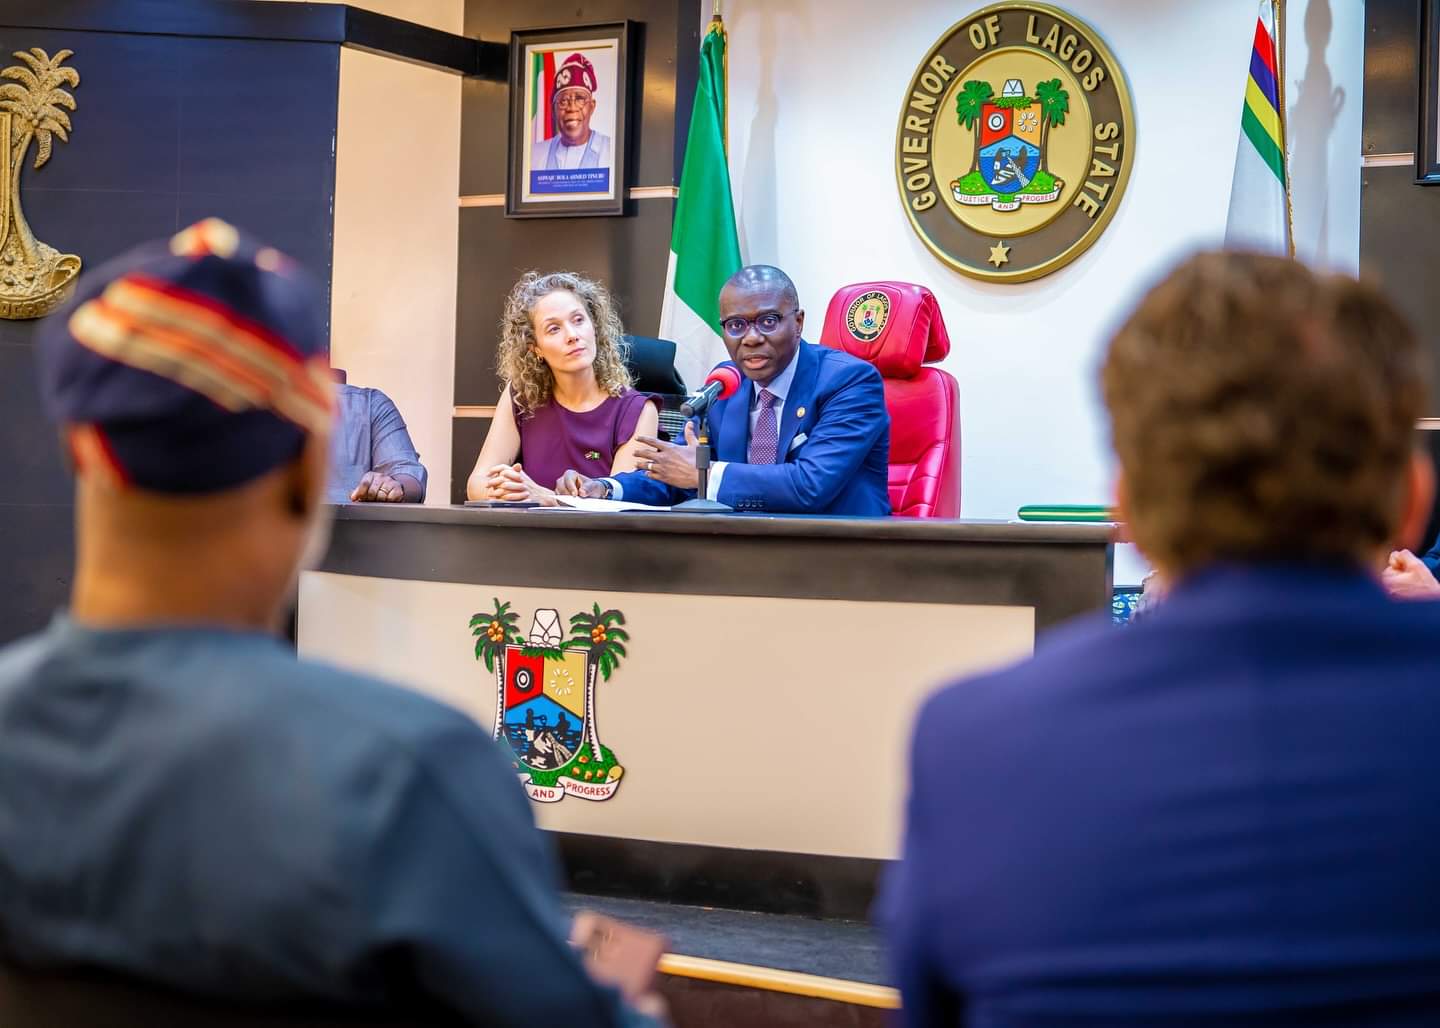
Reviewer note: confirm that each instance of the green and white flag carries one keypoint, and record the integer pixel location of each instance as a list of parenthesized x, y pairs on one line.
[(1259, 206), (704, 247)]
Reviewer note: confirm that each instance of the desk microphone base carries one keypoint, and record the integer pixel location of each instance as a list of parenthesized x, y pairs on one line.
[(699, 506)]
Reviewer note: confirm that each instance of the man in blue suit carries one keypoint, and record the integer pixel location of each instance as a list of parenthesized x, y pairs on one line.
[(1408, 577), (1227, 813), (807, 432)]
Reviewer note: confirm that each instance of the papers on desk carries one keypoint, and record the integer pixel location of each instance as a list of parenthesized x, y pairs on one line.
[(599, 506)]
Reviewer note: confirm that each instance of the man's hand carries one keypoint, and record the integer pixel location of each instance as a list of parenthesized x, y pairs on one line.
[(376, 486), (572, 483), (1407, 578), (622, 955), (667, 462), (509, 482)]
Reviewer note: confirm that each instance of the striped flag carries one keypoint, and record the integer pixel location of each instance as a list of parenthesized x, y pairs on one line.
[(704, 246), (1259, 194), (542, 90)]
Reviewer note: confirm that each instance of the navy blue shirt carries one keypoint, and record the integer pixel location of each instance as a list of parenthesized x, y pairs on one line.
[(197, 807)]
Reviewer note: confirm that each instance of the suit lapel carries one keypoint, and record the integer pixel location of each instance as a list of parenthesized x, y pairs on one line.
[(802, 392), (733, 431)]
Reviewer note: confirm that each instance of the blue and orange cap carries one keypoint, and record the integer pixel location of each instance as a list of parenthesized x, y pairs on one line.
[(190, 365)]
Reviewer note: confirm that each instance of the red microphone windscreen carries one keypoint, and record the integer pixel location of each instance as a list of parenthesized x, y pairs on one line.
[(729, 379)]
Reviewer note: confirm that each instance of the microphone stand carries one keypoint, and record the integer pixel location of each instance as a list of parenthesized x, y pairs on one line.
[(700, 505)]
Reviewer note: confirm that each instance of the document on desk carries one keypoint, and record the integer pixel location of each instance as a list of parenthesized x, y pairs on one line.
[(597, 506)]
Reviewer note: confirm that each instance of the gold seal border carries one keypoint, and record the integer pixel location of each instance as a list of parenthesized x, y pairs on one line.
[(1122, 90), (850, 315)]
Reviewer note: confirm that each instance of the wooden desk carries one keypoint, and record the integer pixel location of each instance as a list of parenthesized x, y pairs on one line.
[(772, 668)]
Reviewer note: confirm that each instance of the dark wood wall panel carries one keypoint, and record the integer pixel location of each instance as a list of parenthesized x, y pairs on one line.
[(468, 435), (168, 129), (1399, 220), (629, 254), (1391, 37), (666, 57)]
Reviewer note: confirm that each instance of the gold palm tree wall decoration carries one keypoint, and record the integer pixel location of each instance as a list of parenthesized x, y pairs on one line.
[(35, 278)]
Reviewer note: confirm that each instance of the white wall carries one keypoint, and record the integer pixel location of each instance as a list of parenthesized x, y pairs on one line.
[(397, 228), (815, 90), (397, 231)]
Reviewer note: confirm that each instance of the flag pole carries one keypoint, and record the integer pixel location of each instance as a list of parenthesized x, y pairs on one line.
[(717, 24), (1279, 9)]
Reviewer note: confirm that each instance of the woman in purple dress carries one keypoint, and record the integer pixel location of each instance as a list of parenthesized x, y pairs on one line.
[(568, 400)]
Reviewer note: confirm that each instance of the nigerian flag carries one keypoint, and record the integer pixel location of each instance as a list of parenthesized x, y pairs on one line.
[(704, 249), (1259, 214)]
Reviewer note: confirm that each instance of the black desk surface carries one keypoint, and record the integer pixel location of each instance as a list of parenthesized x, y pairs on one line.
[(784, 525), (1060, 570)]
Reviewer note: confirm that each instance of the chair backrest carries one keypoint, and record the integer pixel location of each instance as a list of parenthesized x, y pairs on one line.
[(897, 327), (652, 365), (92, 999)]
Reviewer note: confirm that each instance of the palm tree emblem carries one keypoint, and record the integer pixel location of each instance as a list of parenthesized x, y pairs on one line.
[(34, 277), (552, 734), (969, 104), (493, 633), (1054, 105), (598, 632)]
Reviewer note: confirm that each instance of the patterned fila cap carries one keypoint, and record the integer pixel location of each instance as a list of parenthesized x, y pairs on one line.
[(189, 366), (575, 73)]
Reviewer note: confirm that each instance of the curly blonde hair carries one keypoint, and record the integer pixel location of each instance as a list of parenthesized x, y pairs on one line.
[(531, 381)]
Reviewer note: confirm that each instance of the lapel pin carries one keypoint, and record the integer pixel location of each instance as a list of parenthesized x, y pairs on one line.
[(800, 412)]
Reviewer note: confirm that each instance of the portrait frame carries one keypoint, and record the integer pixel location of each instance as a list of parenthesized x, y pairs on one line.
[(546, 176), (1427, 141)]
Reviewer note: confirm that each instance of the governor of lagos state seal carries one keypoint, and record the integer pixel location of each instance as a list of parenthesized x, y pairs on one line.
[(1015, 142)]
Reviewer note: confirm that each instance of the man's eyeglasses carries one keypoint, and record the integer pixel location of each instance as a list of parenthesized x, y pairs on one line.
[(736, 328), (566, 103)]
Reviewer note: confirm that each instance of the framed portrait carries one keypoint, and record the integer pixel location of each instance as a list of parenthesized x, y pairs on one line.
[(1427, 148), (569, 114)]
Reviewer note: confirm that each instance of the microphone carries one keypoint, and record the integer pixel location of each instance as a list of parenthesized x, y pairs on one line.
[(721, 385)]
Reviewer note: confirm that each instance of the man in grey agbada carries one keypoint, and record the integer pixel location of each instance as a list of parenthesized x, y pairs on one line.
[(182, 800)]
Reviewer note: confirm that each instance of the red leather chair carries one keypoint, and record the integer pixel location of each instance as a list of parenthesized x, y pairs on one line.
[(897, 327)]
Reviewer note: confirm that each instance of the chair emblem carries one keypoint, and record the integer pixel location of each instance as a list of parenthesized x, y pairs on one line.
[(866, 316)]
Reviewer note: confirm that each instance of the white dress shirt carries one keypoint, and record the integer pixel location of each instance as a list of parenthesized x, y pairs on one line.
[(779, 387)]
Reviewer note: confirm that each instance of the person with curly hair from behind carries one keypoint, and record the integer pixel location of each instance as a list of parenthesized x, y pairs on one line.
[(568, 401)]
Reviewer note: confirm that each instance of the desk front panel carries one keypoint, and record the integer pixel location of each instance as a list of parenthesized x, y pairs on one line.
[(771, 672), (763, 723)]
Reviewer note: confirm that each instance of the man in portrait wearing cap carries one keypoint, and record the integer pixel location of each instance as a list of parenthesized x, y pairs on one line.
[(575, 144), (183, 801)]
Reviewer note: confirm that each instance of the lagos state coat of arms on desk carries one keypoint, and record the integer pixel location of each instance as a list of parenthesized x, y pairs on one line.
[(545, 696)]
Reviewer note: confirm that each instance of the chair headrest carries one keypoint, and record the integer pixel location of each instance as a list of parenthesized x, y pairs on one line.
[(896, 326)]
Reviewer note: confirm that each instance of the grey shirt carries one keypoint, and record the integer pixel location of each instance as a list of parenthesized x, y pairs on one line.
[(198, 808), (370, 435)]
